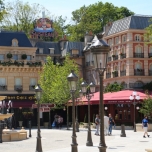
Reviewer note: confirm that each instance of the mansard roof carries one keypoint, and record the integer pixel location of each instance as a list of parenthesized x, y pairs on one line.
[(132, 22), (7, 37)]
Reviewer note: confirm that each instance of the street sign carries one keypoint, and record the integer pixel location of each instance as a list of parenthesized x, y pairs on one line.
[(44, 109)]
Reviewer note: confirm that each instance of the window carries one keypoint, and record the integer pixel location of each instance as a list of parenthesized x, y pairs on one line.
[(116, 40), (109, 42), (124, 38), (51, 50), (18, 81), (138, 66), (15, 42), (2, 81), (139, 49), (15, 56), (1, 57), (150, 50), (28, 57), (151, 67), (32, 81), (137, 37), (41, 50)]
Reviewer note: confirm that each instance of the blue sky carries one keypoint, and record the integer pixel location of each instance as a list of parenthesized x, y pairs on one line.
[(65, 7)]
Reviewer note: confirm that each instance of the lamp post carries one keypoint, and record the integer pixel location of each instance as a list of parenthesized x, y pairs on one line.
[(38, 93), (134, 97), (88, 90), (100, 51), (72, 79)]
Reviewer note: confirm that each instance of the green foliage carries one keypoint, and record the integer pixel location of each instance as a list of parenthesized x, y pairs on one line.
[(146, 108), (9, 55), (53, 80), (148, 86), (34, 64), (2, 10), (113, 87), (24, 56), (148, 33), (93, 18)]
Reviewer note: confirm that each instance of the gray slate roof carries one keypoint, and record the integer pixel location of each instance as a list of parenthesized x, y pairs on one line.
[(131, 22), (46, 45), (73, 45), (7, 37)]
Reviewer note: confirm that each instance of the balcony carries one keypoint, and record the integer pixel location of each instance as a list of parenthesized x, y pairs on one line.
[(115, 74), (18, 88), (109, 59), (3, 87), (122, 56), (150, 72), (108, 75), (123, 73), (87, 63), (149, 55), (32, 87), (135, 85), (138, 55), (139, 72), (115, 57)]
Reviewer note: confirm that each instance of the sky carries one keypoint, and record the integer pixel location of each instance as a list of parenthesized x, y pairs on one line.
[(65, 7)]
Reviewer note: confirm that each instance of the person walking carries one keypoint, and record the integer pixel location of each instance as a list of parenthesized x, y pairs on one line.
[(60, 121), (56, 120), (97, 122), (111, 123), (145, 126), (106, 125)]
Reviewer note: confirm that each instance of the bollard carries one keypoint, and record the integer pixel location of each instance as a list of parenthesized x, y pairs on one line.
[(123, 134), (30, 128)]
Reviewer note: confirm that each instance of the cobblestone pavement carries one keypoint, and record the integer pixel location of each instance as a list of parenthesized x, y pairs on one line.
[(54, 140)]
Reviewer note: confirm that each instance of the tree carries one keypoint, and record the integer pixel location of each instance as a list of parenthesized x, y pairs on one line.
[(93, 18), (2, 10), (148, 33), (53, 80), (146, 108), (113, 87), (148, 86)]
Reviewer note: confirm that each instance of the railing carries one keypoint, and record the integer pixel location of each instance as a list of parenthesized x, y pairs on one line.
[(115, 57), (87, 63), (136, 85), (139, 72), (109, 59), (149, 55), (150, 72), (122, 56), (138, 55), (115, 74), (123, 73), (3, 88), (18, 88), (32, 87), (92, 63), (108, 75)]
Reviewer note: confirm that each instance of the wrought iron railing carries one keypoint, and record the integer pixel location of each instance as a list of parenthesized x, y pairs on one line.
[(138, 55), (139, 72), (123, 73)]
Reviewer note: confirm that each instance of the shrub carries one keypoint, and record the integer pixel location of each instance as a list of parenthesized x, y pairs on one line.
[(9, 55), (24, 56)]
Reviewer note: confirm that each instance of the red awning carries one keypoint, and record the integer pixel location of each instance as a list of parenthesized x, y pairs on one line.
[(121, 97)]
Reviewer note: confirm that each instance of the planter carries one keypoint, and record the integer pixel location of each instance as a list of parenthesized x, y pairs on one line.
[(9, 55), (93, 125), (139, 127), (85, 125), (24, 56), (126, 127)]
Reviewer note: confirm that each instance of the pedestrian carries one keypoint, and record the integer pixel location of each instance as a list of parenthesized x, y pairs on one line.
[(106, 125), (97, 122), (60, 121), (111, 123), (56, 120), (145, 126)]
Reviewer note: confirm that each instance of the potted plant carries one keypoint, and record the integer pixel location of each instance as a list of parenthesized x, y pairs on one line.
[(121, 54), (24, 56), (113, 55), (9, 55)]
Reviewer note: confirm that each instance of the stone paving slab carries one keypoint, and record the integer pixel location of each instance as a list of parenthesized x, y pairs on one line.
[(54, 140)]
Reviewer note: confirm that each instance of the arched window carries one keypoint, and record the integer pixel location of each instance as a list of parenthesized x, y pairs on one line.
[(138, 49), (116, 40), (138, 84), (108, 69), (124, 38), (138, 65), (123, 67), (150, 49)]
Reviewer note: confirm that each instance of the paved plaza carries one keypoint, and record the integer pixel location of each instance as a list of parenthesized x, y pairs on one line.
[(54, 140)]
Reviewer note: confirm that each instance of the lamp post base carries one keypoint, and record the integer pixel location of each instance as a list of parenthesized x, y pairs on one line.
[(89, 139), (102, 149), (134, 127), (74, 148), (38, 145)]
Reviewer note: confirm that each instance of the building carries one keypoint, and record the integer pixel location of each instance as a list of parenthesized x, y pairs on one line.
[(129, 61)]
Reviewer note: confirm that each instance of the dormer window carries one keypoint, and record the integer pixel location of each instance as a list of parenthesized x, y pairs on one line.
[(40, 50), (75, 52), (14, 42), (51, 50)]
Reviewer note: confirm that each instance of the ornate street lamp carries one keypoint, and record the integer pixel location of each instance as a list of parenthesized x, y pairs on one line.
[(100, 51), (134, 97), (88, 90), (38, 93), (72, 79)]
